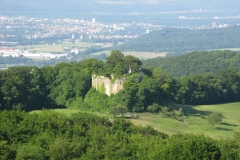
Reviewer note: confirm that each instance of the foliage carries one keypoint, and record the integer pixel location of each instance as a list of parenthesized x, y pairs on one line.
[(190, 147), (30, 152), (51, 135), (96, 100), (22, 88), (169, 112), (215, 118), (116, 109), (196, 62), (69, 85), (118, 65), (178, 41), (154, 108), (165, 111)]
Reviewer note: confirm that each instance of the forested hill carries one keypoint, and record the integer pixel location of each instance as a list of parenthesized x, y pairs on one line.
[(196, 62), (70, 84), (179, 41)]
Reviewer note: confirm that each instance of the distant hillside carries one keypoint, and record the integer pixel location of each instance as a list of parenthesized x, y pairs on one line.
[(124, 11), (180, 41), (196, 62)]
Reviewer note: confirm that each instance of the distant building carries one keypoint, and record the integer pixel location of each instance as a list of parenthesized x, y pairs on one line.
[(214, 24), (93, 20), (75, 51)]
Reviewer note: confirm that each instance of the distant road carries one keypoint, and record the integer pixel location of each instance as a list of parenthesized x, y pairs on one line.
[(4, 42)]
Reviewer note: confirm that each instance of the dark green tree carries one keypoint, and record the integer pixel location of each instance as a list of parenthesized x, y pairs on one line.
[(154, 108), (215, 118), (122, 110), (31, 152), (114, 109)]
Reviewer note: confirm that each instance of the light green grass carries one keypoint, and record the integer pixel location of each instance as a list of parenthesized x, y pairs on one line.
[(43, 48), (222, 49), (55, 48), (195, 120), (59, 47), (140, 55)]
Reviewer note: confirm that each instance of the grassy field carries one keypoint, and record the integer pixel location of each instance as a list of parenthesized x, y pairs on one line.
[(50, 48), (55, 48), (140, 55), (195, 120), (222, 49)]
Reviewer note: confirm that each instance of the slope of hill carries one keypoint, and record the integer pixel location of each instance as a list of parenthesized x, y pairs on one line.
[(196, 62), (194, 120), (180, 41)]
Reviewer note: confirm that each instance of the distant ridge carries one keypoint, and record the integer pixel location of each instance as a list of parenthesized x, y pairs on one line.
[(196, 62), (179, 41), (118, 6)]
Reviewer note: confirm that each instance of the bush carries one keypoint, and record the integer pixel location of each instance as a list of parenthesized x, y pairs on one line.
[(215, 118)]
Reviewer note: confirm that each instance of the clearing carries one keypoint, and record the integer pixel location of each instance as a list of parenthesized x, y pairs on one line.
[(140, 55), (195, 120)]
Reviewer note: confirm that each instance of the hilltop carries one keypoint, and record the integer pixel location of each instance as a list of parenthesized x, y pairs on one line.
[(179, 41), (196, 62)]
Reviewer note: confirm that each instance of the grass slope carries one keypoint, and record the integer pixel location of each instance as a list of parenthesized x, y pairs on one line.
[(55, 48), (195, 120), (140, 55)]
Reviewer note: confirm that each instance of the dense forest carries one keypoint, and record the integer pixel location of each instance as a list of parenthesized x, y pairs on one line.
[(51, 135), (69, 85), (179, 41), (196, 62)]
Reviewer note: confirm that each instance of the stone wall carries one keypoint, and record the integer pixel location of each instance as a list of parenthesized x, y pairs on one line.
[(104, 84)]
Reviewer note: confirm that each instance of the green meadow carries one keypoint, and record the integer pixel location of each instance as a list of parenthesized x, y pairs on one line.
[(194, 120), (140, 55), (56, 47)]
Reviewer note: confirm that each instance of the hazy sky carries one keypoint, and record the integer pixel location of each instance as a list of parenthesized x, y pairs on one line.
[(60, 7)]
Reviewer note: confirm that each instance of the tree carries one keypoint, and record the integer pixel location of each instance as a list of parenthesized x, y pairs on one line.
[(215, 118), (98, 101), (154, 108), (132, 63), (117, 109), (114, 62), (59, 149), (118, 65), (4, 150), (122, 109), (114, 110), (28, 151)]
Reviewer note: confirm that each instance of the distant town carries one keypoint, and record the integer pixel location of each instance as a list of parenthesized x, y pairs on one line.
[(7, 52), (21, 30), (16, 30)]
